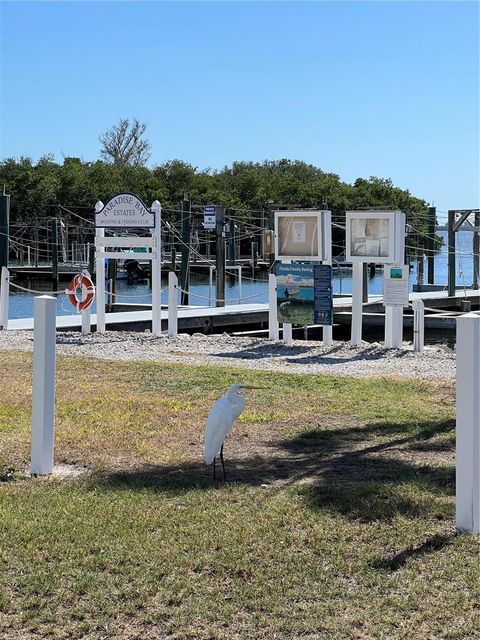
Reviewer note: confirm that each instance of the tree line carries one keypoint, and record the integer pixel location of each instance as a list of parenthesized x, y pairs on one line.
[(38, 188)]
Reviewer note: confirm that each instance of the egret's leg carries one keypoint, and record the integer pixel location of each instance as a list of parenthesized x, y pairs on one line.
[(214, 460), (223, 464)]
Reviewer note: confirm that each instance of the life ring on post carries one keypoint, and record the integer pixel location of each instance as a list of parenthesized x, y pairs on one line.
[(81, 292)]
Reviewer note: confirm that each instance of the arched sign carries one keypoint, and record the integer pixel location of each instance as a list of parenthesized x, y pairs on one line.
[(126, 211)]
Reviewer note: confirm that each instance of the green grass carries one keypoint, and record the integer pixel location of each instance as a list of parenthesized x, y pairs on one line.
[(352, 536)]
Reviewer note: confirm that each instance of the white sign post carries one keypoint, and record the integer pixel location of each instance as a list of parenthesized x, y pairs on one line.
[(378, 237), (43, 388), (468, 424), (395, 297), (127, 211)]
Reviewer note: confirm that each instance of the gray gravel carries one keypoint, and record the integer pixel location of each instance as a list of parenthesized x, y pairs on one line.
[(370, 359)]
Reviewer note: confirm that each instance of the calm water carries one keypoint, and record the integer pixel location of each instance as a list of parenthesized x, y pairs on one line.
[(21, 303)]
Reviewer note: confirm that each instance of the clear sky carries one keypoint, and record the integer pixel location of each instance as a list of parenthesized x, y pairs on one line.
[(358, 88)]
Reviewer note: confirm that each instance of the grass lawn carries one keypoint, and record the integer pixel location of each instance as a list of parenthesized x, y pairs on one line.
[(338, 521)]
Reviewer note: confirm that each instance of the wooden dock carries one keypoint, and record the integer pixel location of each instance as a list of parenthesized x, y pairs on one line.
[(441, 312)]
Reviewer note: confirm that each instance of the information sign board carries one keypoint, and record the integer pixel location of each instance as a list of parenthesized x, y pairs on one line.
[(323, 298), (125, 210), (209, 217), (375, 236), (298, 235), (304, 294), (395, 286)]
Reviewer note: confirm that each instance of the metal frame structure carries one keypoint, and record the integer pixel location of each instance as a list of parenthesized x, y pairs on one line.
[(454, 225)]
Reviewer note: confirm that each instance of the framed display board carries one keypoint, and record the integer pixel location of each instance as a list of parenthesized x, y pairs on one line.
[(299, 235), (375, 236)]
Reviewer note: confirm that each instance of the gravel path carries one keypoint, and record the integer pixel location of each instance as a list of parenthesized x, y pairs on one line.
[(371, 359)]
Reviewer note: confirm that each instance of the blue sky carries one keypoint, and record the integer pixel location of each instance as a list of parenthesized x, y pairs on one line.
[(358, 88)]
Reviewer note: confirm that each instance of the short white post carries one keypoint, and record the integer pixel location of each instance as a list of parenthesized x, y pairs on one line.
[(172, 305), (357, 303), (418, 325), (468, 424), (100, 275), (43, 397), (272, 307), (157, 271), (210, 284), (239, 284), (4, 293), (287, 334)]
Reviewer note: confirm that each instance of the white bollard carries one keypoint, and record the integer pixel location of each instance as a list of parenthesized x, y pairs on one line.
[(43, 396), (418, 326), (4, 293), (287, 334), (272, 307), (468, 424), (172, 305), (357, 303)]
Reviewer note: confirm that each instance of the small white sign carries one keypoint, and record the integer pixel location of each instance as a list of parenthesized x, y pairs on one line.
[(299, 232), (209, 217), (395, 286), (125, 210)]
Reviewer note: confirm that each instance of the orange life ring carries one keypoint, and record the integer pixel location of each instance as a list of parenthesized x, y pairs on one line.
[(81, 292)]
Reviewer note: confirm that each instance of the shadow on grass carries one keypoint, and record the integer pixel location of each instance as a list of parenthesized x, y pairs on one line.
[(350, 471), (435, 543)]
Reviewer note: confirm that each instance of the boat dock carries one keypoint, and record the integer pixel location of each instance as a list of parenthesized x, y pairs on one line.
[(441, 311)]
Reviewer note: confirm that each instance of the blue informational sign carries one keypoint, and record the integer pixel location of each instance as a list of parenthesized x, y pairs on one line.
[(323, 302), (304, 294)]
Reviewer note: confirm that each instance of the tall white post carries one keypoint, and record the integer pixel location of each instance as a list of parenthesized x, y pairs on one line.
[(43, 397), (4, 294), (418, 325), (172, 305), (100, 275), (357, 303), (468, 424), (157, 271), (327, 330), (393, 326), (272, 307)]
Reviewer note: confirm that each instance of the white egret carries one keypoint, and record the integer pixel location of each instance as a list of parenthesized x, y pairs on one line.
[(220, 420)]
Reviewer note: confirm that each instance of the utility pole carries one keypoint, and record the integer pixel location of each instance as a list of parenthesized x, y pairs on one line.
[(4, 228), (185, 269), (451, 253), (220, 258), (432, 218)]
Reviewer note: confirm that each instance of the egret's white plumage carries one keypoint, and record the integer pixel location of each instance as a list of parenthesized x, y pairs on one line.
[(221, 419)]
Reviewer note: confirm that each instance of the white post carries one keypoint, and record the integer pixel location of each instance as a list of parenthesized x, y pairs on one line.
[(357, 303), (28, 255), (4, 293), (418, 325), (272, 307), (43, 397), (327, 330), (100, 276), (157, 271), (86, 313), (388, 327), (468, 424), (172, 305), (210, 285), (239, 283), (287, 334), (397, 327)]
